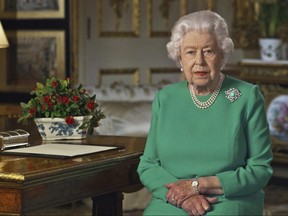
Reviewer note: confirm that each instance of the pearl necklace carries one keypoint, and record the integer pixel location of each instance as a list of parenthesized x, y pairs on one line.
[(211, 100)]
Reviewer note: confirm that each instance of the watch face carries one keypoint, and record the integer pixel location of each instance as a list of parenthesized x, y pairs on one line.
[(195, 183)]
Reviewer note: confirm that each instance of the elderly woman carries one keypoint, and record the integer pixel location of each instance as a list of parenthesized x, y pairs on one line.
[(208, 149)]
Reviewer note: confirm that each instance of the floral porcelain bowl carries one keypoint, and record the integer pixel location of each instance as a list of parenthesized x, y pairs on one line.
[(277, 116), (57, 99), (57, 128)]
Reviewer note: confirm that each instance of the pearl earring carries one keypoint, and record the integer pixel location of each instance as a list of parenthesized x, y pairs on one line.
[(181, 69)]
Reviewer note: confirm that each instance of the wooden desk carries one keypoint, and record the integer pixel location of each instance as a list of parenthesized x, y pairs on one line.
[(31, 183)]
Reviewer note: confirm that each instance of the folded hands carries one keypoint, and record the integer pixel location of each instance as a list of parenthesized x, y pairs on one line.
[(182, 195)]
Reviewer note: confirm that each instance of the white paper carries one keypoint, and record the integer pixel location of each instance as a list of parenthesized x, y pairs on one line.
[(59, 149)]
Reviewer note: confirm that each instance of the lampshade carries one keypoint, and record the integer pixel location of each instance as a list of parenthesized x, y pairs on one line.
[(3, 40)]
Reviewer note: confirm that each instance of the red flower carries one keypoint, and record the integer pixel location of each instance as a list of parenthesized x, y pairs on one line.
[(54, 84), (65, 99), (90, 105), (75, 98), (46, 99), (32, 110), (44, 107), (50, 104), (70, 120)]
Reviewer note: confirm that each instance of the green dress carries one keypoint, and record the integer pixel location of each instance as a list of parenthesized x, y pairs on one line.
[(229, 139)]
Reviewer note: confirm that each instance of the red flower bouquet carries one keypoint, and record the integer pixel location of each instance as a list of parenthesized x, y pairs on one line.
[(57, 99)]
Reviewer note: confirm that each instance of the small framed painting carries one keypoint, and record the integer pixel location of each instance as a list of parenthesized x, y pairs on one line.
[(23, 9), (32, 57)]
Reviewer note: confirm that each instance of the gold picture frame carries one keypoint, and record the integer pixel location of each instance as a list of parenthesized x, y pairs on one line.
[(20, 9), (118, 18), (32, 57), (119, 76), (163, 19), (164, 76)]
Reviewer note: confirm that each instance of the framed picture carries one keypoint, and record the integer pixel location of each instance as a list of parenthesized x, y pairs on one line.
[(118, 18), (164, 76), (31, 57), (24, 9)]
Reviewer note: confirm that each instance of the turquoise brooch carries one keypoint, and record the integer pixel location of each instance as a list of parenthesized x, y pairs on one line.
[(232, 94)]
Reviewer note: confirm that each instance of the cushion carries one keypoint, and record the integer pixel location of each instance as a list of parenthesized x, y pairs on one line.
[(123, 93), (125, 118)]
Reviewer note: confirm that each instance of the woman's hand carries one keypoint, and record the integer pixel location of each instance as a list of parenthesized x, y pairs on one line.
[(179, 191), (198, 204)]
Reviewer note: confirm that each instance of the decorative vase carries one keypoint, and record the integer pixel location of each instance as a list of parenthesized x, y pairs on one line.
[(277, 117), (57, 128), (270, 49)]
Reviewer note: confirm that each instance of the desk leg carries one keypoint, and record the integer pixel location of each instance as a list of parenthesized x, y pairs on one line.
[(108, 204)]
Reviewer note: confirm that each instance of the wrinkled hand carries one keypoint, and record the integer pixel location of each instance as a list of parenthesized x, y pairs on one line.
[(198, 204), (179, 191)]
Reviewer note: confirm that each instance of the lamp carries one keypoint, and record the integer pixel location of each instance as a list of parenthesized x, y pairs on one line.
[(3, 40)]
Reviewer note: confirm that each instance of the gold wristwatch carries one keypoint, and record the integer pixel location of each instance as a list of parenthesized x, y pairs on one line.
[(195, 184)]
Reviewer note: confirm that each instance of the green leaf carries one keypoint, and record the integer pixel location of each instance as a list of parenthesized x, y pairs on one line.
[(47, 114)]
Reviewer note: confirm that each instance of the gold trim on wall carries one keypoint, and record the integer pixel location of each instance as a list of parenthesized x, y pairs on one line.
[(33, 13), (164, 71), (164, 11), (134, 73), (32, 57), (118, 10), (210, 5)]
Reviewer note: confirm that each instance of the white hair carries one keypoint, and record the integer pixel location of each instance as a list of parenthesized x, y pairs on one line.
[(202, 21)]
